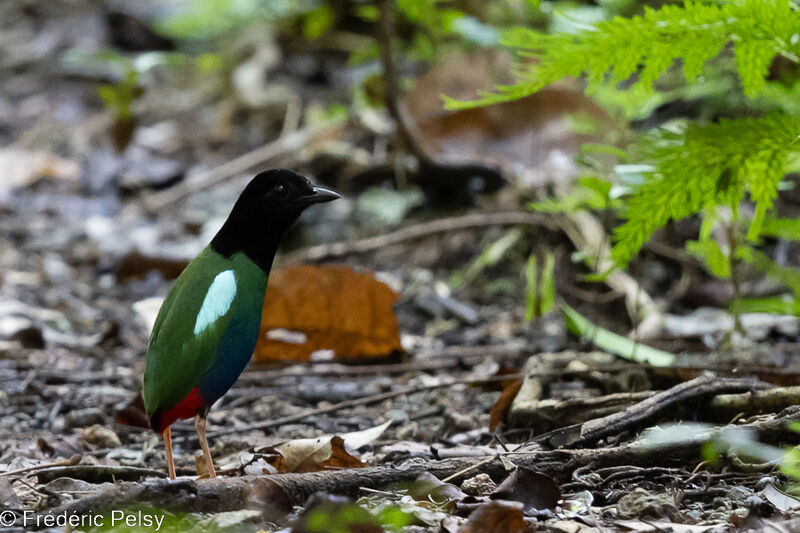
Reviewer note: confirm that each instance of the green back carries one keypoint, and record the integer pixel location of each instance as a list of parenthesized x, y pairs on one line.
[(178, 354)]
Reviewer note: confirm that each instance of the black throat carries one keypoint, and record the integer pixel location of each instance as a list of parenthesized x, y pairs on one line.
[(241, 235)]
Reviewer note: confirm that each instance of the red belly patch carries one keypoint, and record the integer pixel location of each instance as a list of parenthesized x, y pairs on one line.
[(186, 408)]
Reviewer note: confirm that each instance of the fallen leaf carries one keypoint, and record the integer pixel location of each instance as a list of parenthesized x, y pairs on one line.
[(496, 517), (259, 467), (499, 410), (406, 448), (312, 455), (324, 452), (312, 311), (782, 501), (422, 513), (643, 503), (429, 488), (147, 311), (358, 439), (451, 524), (577, 504), (535, 490), (494, 134), (479, 485), (229, 520), (571, 526)]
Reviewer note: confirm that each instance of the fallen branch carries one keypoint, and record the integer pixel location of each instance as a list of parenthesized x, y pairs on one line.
[(638, 414), (97, 473), (726, 406), (547, 414), (275, 494), (75, 459)]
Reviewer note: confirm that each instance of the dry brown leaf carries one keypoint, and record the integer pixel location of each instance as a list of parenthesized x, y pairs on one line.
[(495, 134), (327, 451), (428, 487), (535, 490), (500, 408), (496, 517), (309, 309), (312, 455)]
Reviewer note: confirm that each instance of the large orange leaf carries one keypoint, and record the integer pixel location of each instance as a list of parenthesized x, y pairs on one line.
[(308, 309)]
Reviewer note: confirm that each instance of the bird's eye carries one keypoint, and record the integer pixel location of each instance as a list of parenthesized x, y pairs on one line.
[(279, 191)]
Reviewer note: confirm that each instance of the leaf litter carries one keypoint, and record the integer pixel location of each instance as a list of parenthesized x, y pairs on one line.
[(410, 434)]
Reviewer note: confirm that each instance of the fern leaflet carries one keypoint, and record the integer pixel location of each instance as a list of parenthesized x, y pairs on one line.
[(649, 44), (706, 166)]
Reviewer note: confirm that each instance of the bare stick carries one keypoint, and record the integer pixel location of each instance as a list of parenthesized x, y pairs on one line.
[(75, 459), (646, 410), (97, 473), (368, 400)]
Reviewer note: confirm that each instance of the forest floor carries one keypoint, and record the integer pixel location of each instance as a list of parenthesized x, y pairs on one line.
[(483, 422)]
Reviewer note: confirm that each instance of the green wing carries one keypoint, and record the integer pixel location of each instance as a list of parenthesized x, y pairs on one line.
[(190, 324)]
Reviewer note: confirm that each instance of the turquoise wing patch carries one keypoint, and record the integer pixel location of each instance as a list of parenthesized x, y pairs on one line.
[(217, 301)]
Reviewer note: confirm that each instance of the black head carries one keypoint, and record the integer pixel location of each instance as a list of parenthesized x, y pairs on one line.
[(266, 209)]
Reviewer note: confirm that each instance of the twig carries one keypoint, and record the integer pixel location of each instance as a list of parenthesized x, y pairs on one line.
[(98, 473), (75, 459), (470, 468), (418, 231), (368, 400), (572, 410), (755, 402), (646, 410), (335, 369)]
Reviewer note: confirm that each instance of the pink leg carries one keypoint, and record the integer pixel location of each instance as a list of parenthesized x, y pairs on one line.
[(200, 427), (168, 445)]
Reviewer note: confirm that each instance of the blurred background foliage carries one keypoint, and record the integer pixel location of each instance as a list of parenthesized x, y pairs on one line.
[(692, 106)]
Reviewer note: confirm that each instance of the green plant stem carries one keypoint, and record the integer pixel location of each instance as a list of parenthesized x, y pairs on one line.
[(733, 261)]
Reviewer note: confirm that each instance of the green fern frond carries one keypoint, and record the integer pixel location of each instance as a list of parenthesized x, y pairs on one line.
[(706, 166), (649, 44), (787, 229), (712, 255)]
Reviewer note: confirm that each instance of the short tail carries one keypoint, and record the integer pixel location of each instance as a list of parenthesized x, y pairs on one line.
[(155, 422)]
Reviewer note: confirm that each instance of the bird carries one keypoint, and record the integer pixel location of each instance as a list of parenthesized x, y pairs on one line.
[(207, 327)]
